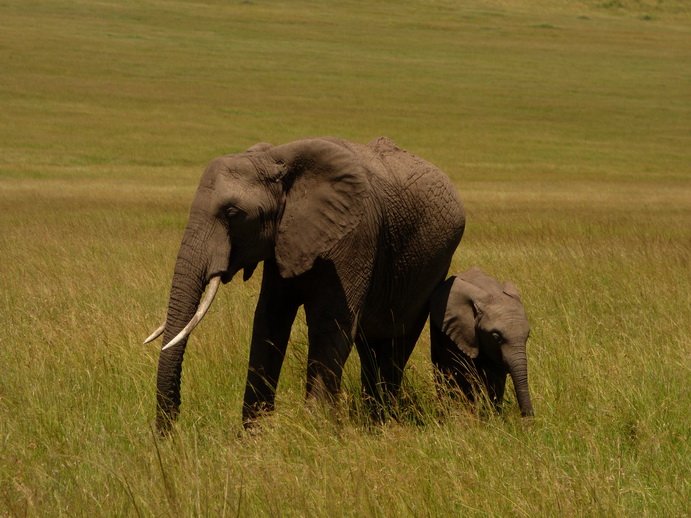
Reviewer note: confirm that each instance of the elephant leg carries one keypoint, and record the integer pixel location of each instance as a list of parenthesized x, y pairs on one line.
[(273, 320), (382, 366), (495, 381), (330, 304), (444, 366), (455, 374), (379, 382), (328, 351), (371, 379)]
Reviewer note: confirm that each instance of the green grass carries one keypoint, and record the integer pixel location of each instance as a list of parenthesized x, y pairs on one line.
[(566, 127)]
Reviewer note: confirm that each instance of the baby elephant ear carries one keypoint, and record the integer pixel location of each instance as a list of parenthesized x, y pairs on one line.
[(326, 187), (257, 148), (511, 290), (453, 310)]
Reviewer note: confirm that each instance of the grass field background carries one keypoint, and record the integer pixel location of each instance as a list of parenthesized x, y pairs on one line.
[(566, 127)]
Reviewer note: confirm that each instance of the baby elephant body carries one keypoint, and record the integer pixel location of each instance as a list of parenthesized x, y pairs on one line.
[(479, 331)]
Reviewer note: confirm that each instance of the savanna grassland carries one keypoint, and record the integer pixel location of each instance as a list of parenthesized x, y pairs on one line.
[(566, 127)]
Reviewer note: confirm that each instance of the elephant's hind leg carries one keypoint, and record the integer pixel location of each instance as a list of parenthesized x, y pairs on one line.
[(382, 366)]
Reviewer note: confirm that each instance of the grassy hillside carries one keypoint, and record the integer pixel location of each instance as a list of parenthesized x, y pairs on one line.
[(566, 127)]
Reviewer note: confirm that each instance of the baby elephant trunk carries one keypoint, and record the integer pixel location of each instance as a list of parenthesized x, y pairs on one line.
[(517, 364)]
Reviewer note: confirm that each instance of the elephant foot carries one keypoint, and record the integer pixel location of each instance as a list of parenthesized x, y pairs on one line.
[(250, 429), (253, 413)]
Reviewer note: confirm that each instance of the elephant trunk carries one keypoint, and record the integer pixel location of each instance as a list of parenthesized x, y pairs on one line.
[(203, 257), (516, 363), (189, 281)]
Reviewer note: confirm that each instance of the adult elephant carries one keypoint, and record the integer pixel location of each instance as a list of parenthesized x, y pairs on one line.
[(359, 235)]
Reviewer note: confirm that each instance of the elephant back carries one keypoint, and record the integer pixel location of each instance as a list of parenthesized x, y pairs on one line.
[(423, 224), (424, 194)]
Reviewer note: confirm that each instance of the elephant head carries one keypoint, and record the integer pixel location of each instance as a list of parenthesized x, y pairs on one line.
[(288, 203), (483, 327)]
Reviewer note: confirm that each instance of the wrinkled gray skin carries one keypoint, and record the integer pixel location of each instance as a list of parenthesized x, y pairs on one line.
[(479, 331), (358, 235)]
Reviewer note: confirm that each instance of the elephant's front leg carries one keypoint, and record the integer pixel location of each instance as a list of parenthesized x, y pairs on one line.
[(332, 292), (273, 320), (454, 372), (329, 348), (495, 382), (330, 324)]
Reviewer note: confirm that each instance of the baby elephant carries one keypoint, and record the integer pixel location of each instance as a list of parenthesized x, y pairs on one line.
[(478, 332)]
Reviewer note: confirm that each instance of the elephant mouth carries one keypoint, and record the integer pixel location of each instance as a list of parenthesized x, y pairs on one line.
[(221, 275)]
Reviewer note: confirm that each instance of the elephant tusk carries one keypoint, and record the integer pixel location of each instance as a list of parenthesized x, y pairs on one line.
[(201, 311), (156, 333)]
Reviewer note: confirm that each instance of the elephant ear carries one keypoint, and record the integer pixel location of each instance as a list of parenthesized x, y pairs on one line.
[(326, 187), (511, 290), (455, 308), (259, 147)]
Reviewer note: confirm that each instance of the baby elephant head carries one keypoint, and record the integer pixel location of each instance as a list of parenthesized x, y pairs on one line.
[(479, 331)]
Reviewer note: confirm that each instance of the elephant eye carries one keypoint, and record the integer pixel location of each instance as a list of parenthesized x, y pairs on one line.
[(497, 337), (232, 212)]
